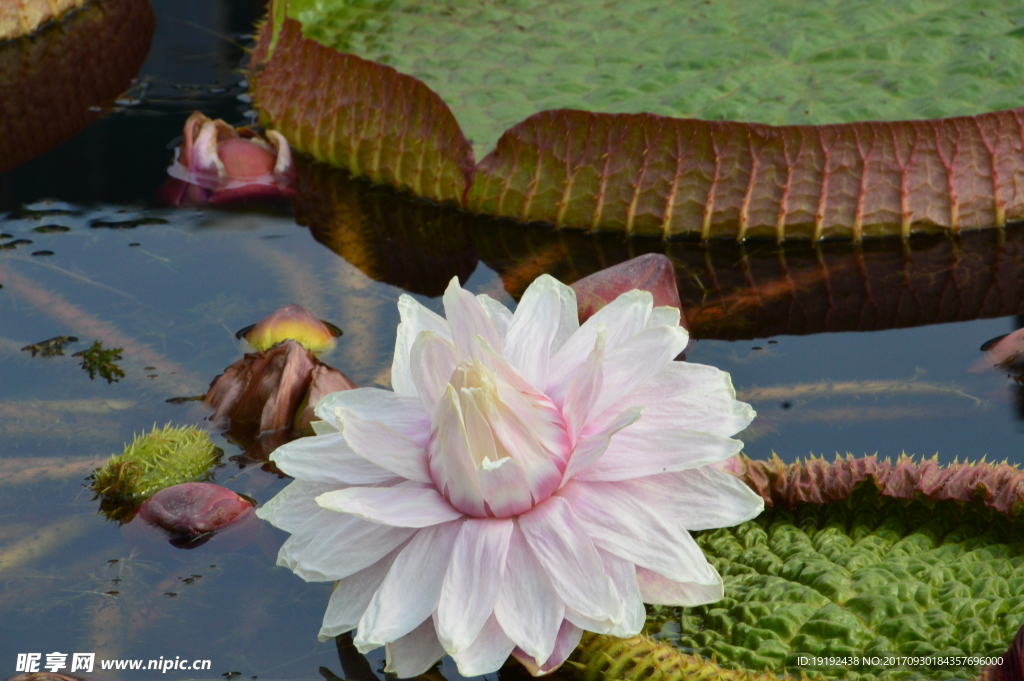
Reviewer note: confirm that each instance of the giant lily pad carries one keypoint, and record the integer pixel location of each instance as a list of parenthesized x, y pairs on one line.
[(632, 168)]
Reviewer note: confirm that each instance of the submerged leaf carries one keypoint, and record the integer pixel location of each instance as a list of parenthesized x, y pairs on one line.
[(96, 360)]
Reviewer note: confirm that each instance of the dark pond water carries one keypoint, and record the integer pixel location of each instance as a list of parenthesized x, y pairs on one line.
[(840, 349)]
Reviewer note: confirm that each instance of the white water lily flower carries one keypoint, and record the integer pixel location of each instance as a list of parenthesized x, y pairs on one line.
[(527, 479)]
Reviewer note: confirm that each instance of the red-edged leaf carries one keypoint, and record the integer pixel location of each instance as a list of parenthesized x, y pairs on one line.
[(647, 174), (57, 81), (358, 115)]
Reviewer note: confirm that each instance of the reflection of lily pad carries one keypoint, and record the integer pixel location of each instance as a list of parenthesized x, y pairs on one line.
[(641, 173)]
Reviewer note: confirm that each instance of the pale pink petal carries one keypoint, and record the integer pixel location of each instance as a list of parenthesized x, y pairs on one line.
[(451, 462), (640, 453), (414, 653), (415, 318), (205, 158), (658, 590), (584, 390), (623, 520), (569, 636), (404, 415), (635, 362), (487, 653), (500, 315), (412, 589), (294, 505), (468, 320), (329, 459), (283, 163), (473, 580), (543, 321), (351, 596), (386, 447), (623, 575), (562, 546), (332, 546), (623, 318), (404, 505), (592, 447), (433, 362), (686, 395), (528, 608)]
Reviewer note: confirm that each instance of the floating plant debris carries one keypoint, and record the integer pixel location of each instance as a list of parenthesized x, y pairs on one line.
[(96, 360), (153, 461), (14, 244), (51, 229), (126, 224), (192, 509), (39, 253), (51, 347)]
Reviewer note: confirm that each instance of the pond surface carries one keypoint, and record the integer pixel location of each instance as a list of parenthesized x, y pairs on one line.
[(839, 349)]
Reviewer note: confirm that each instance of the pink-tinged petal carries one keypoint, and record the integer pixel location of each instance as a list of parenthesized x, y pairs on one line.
[(622, 319), (686, 395), (637, 361), (624, 520), (352, 595), (433, 363), (543, 321), (329, 459), (592, 447), (452, 466), (467, 320), (562, 546), (414, 653), (640, 453), (623, 575), (386, 447), (332, 546), (415, 319), (500, 315), (473, 580), (404, 505), (204, 153), (652, 272), (411, 591), (658, 590), (584, 389), (294, 505), (283, 165), (487, 653), (569, 636), (402, 414), (528, 609)]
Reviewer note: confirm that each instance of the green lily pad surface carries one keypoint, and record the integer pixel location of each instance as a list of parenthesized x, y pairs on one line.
[(869, 575), (496, 62)]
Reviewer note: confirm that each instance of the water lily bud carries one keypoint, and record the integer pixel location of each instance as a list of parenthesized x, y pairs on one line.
[(217, 163), (652, 272), (194, 508), (294, 322), (1005, 353)]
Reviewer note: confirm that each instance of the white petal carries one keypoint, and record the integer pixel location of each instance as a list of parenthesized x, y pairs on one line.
[(415, 318), (402, 414), (624, 519), (321, 427), (332, 546), (634, 453), (591, 448), (561, 544), (623, 318), (528, 608), (412, 589), (569, 636), (414, 653), (468, 320), (584, 389), (473, 581), (635, 362), (487, 653), (623, 575), (351, 596), (433, 362), (500, 315), (328, 459), (545, 318), (399, 506), (658, 590), (294, 505), (451, 462), (665, 315), (386, 447)]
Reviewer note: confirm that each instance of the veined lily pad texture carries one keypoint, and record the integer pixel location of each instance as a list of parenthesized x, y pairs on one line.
[(855, 557), (366, 86)]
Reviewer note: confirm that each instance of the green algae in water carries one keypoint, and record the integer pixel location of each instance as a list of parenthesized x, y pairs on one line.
[(866, 576), (96, 360), (155, 460)]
